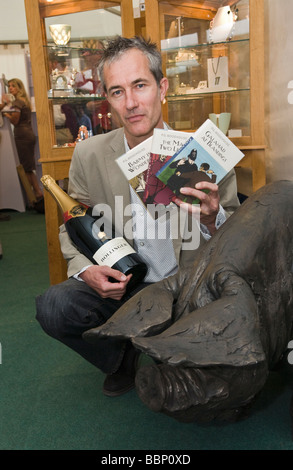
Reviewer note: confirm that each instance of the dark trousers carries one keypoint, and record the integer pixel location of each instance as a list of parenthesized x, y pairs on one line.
[(68, 309)]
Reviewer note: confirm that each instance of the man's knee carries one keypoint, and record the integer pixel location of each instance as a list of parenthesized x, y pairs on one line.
[(70, 308), (48, 311)]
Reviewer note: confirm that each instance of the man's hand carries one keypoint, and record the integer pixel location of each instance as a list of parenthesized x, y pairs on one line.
[(97, 277), (209, 202)]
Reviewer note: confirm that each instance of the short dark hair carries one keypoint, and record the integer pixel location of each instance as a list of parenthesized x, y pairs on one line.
[(117, 46), (205, 166)]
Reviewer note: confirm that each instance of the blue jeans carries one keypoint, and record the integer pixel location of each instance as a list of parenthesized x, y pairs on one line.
[(68, 309)]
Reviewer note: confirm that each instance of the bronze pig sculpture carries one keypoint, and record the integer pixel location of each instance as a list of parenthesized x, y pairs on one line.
[(216, 330)]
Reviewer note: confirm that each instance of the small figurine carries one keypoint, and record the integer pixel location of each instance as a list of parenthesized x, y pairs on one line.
[(82, 133)]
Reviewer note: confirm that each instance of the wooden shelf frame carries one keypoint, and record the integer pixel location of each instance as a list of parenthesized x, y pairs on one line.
[(56, 160)]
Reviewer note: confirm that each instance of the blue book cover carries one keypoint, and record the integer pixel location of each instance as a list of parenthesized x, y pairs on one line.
[(206, 156)]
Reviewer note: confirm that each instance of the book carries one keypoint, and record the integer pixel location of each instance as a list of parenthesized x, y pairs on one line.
[(208, 155), (165, 144), (134, 165)]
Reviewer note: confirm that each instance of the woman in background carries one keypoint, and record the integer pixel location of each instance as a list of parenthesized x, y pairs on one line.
[(25, 139)]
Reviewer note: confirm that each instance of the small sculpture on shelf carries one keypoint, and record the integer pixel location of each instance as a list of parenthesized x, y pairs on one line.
[(222, 25)]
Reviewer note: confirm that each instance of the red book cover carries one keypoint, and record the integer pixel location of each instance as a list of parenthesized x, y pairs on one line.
[(164, 144)]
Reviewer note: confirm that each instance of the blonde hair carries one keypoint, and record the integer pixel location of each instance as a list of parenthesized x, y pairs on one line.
[(21, 93)]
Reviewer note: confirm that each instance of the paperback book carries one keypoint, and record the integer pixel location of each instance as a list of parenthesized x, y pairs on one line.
[(134, 165), (208, 155), (165, 144)]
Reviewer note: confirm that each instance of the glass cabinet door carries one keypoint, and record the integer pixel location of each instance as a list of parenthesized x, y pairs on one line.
[(65, 38), (73, 51), (206, 56)]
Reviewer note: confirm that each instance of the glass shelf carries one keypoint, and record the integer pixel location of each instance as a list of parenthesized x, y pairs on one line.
[(69, 51), (205, 44), (75, 99), (199, 95)]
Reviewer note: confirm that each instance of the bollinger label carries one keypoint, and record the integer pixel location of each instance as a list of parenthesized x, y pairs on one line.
[(112, 251)]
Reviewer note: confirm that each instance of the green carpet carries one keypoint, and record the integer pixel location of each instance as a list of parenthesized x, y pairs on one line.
[(51, 399)]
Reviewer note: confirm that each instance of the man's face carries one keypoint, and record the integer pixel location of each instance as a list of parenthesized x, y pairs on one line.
[(134, 95)]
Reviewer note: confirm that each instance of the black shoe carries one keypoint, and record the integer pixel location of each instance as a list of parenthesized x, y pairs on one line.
[(122, 381), (117, 384)]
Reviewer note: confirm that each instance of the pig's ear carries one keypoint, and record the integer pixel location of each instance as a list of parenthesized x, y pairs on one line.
[(223, 332), (147, 313)]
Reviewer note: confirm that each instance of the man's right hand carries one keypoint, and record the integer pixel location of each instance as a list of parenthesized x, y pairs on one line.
[(97, 277)]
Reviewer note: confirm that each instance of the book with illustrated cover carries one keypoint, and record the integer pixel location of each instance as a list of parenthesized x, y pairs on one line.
[(134, 165), (165, 144), (208, 155)]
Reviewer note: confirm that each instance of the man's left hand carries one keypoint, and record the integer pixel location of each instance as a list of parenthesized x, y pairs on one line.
[(209, 202)]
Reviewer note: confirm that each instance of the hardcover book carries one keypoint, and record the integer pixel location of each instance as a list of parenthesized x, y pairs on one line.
[(208, 155), (165, 144)]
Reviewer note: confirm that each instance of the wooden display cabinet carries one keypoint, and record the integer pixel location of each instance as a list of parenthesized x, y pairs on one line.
[(56, 158), (196, 54)]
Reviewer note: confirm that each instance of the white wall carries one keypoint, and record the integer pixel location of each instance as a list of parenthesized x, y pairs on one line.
[(86, 24), (12, 20), (13, 28), (13, 62), (279, 98)]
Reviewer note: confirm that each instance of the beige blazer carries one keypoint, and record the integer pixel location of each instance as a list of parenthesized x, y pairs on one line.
[(95, 178)]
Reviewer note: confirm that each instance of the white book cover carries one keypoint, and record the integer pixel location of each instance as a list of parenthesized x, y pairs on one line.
[(134, 165), (136, 160), (167, 141), (218, 147)]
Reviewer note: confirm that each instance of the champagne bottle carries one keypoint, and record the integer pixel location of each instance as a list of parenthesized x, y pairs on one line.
[(90, 239)]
